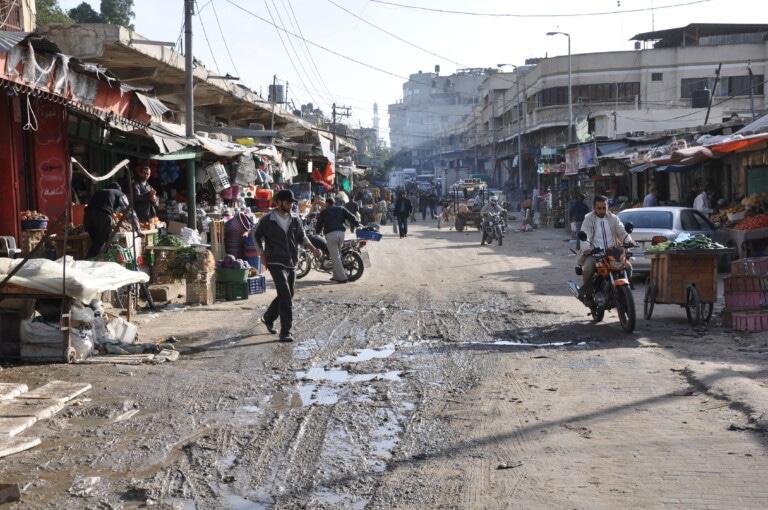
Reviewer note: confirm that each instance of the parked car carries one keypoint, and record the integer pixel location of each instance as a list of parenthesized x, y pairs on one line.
[(666, 223)]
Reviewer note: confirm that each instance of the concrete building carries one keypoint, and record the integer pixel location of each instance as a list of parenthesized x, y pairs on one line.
[(430, 105), (662, 88)]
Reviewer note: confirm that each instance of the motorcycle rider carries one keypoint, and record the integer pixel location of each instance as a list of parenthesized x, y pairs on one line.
[(492, 207), (604, 230), (332, 222)]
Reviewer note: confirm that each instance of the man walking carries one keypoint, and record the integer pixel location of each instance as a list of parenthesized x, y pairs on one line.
[(278, 236), (331, 222), (403, 209)]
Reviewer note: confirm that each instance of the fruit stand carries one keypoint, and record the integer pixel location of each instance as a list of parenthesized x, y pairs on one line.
[(684, 272)]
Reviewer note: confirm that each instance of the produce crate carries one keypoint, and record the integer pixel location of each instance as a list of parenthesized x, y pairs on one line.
[(750, 266), (257, 285), (231, 275), (200, 288), (745, 300), (231, 291), (750, 321), (368, 235), (745, 283), (30, 239)]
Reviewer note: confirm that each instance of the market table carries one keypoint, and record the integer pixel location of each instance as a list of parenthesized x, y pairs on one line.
[(740, 239), (684, 277)]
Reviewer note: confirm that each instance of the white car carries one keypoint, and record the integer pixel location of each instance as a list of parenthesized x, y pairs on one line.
[(662, 224)]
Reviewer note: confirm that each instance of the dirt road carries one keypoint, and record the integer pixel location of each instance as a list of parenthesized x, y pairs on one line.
[(451, 376)]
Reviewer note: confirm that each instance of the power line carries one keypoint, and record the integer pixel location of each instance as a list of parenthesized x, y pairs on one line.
[(207, 41), (425, 50), (312, 63), (279, 31), (542, 15), (224, 39)]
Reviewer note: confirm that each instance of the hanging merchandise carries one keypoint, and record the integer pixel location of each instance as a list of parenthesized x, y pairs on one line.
[(346, 185), (235, 231), (245, 170), (168, 171), (231, 193), (218, 176)]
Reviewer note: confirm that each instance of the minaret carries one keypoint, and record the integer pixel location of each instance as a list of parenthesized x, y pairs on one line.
[(376, 119)]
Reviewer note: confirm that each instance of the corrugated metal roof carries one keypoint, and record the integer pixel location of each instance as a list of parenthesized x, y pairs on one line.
[(8, 40)]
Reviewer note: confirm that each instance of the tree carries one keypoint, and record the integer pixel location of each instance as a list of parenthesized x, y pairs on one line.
[(84, 13), (48, 11), (118, 12)]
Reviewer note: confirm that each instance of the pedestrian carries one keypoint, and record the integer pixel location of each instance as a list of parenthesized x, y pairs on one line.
[(577, 212), (279, 236), (98, 216), (145, 199), (423, 205), (403, 209), (332, 222), (651, 199)]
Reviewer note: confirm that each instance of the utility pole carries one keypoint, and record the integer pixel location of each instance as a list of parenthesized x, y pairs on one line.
[(189, 92), (337, 111), (272, 97), (751, 89), (714, 90)]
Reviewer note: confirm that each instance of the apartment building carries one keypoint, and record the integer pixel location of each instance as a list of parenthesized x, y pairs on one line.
[(430, 105), (663, 86)]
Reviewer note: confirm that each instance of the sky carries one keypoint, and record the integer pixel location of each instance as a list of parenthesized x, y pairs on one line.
[(320, 77)]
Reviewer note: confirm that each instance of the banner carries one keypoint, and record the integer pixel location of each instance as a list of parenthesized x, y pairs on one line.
[(580, 157)]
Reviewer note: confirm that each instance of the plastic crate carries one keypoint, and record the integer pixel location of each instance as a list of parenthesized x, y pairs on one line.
[(257, 285), (368, 235), (750, 321), (231, 291), (745, 300), (254, 261), (231, 275), (750, 266)]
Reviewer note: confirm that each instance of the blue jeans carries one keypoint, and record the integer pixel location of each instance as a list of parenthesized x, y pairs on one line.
[(402, 225)]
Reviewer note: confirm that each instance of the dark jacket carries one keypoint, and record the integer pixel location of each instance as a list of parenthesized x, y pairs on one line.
[(332, 219), (142, 203), (578, 210), (280, 248), (109, 201), (403, 207)]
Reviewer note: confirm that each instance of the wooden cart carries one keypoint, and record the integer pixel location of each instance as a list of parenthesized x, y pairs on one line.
[(684, 277)]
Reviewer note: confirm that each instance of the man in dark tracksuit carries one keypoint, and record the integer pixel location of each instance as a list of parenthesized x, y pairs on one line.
[(403, 209), (332, 222), (279, 235), (98, 216)]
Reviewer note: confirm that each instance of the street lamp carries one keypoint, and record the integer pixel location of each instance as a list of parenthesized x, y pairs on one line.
[(570, 92), (519, 127)]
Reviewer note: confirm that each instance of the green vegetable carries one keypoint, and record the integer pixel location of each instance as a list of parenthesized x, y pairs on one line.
[(170, 240), (697, 242), (181, 260)]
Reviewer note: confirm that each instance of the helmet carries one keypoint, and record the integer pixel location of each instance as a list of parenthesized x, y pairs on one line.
[(494, 199)]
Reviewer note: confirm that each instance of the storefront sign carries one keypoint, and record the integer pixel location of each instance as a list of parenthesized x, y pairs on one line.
[(580, 157), (50, 159)]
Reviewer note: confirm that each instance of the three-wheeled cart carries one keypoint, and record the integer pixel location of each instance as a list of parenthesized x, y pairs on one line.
[(687, 278)]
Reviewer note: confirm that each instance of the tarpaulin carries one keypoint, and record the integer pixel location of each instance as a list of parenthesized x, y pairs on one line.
[(86, 280)]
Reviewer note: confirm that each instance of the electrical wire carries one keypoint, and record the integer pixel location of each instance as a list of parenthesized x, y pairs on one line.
[(414, 45), (223, 38), (309, 54), (207, 41), (540, 15), (279, 30)]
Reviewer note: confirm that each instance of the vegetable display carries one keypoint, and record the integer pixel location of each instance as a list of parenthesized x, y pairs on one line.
[(696, 242), (170, 240), (33, 215), (753, 222)]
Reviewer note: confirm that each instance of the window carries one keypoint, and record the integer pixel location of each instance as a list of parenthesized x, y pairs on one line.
[(657, 76), (693, 221), (654, 220), (593, 93), (728, 86)]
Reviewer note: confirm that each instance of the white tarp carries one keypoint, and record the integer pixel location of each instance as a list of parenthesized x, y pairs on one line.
[(86, 280)]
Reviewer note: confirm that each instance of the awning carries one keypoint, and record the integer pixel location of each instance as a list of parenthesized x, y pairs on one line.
[(8, 40), (641, 168), (739, 145), (154, 106)]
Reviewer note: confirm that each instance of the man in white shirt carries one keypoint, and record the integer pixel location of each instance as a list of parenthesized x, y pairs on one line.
[(604, 230), (701, 202)]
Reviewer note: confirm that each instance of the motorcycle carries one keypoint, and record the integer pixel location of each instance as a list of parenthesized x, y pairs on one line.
[(610, 285), (493, 228), (353, 257)]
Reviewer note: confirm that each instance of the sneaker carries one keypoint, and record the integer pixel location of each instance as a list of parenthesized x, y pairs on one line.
[(269, 325), (286, 337)]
